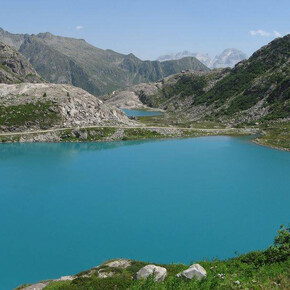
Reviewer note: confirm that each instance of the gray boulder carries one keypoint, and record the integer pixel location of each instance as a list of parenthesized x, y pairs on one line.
[(194, 271), (104, 274), (160, 273), (121, 263), (37, 286)]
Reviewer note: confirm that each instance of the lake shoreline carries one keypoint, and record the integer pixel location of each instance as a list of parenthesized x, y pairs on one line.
[(109, 134), (258, 142), (147, 133), (226, 273)]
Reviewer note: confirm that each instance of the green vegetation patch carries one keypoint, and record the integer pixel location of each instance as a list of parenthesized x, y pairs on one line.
[(276, 135), (44, 114), (140, 133), (187, 86), (87, 134)]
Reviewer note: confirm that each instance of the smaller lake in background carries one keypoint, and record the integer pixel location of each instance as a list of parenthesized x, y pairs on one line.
[(140, 113)]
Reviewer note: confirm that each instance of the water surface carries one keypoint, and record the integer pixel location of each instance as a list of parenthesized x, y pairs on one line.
[(67, 207), (141, 113)]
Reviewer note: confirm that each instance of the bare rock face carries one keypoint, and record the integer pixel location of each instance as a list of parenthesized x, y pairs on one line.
[(120, 263), (194, 271), (159, 273), (130, 98), (104, 274), (37, 286), (15, 68), (29, 106)]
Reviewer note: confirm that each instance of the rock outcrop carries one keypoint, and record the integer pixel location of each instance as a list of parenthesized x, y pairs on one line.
[(46, 106), (131, 98), (120, 263), (15, 68), (194, 271), (159, 273)]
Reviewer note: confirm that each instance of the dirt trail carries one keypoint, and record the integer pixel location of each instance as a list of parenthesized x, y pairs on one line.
[(118, 127)]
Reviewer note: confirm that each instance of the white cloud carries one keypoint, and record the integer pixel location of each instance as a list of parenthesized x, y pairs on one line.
[(261, 32), (79, 27), (277, 33)]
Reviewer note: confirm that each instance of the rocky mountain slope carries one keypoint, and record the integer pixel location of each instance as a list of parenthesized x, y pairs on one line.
[(14, 68), (228, 58), (73, 61), (158, 94), (41, 106), (255, 89), (27, 105)]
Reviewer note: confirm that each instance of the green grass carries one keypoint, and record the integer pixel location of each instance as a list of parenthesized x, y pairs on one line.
[(43, 114), (268, 269), (187, 86), (88, 134), (276, 135), (138, 133), (176, 120), (5, 68)]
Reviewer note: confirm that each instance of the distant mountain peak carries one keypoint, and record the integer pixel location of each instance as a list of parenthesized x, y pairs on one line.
[(44, 34), (228, 58)]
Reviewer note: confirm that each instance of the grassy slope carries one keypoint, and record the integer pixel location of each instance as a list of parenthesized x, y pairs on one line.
[(268, 269), (42, 113), (266, 73), (276, 135), (263, 79)]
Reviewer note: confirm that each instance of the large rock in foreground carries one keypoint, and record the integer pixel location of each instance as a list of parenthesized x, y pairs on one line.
[(46, 106), (159, 273), (194, 271)]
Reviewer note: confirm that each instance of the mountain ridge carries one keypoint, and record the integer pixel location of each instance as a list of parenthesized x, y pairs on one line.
[(74, 61), (255, 89)]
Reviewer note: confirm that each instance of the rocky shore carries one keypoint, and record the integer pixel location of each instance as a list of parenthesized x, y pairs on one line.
[(267, 269), (115, 133), (114, 267)]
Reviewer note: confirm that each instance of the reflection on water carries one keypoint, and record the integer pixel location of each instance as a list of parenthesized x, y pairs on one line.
[(13, 150)]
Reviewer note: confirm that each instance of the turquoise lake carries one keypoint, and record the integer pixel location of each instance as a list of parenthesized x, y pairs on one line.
[(67, 207), (141, 113)]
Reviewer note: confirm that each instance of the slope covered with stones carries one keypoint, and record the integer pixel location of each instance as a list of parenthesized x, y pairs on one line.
[(46, 106), (14, 68)]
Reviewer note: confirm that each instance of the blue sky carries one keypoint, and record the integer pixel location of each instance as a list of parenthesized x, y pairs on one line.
[(150, 28)]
